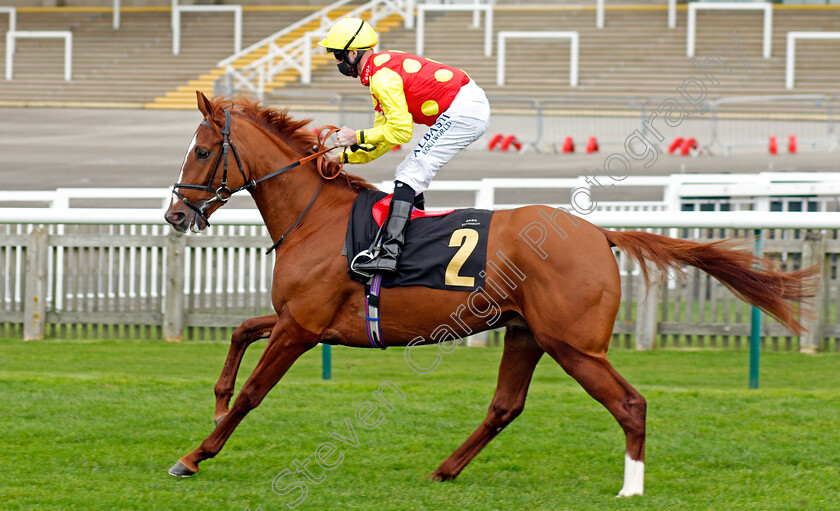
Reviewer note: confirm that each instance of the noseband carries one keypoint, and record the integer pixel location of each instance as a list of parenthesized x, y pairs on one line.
[(223, 193)]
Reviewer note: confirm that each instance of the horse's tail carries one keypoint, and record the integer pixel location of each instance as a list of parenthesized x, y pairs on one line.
[(756, 280)]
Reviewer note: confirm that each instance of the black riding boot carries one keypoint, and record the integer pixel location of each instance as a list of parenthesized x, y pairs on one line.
[(393, 235)]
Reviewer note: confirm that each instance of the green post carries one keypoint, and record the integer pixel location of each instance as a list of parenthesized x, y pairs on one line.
[(326, 361), (755, 323)]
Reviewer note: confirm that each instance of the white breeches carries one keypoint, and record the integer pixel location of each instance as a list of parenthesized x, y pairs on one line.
[(464, 122)]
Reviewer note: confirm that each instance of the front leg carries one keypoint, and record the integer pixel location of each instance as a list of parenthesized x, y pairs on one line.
[(249, 331), (287, 343)]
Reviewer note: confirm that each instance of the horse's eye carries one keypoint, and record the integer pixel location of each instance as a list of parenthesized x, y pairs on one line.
[(202, 154)]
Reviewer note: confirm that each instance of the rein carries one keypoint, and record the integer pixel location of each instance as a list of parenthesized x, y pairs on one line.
[(223, 193)]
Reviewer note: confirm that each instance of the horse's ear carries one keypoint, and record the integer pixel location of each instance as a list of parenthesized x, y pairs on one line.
[(204, 105)]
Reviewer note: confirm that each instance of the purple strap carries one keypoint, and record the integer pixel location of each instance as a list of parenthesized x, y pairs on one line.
[(374, 327)]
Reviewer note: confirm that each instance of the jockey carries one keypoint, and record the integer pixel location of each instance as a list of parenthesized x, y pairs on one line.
[(406, 89)]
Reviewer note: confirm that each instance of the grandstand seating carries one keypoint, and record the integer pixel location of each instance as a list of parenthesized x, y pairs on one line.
[(634, 55)]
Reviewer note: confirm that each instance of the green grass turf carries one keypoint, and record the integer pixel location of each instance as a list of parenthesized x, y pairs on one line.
[(96, 425)]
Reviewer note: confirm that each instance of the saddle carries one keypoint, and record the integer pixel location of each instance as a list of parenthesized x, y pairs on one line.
[(443, 249)]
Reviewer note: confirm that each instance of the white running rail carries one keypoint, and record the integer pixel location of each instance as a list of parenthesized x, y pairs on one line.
[(791, 50), (767, 7), (675, 188), (255, 76), (176, 22), (68, 48), (574, 51)]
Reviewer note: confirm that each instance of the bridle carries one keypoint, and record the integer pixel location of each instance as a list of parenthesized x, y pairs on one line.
[(223, 192)]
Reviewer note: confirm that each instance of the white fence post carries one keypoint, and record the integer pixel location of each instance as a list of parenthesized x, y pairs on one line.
[(672, 13), (173, 305), (599, 14), (116, 14), (813, 253), (35, 307), (647, 310)]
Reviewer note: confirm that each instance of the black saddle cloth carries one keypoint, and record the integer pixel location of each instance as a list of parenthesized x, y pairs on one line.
[(441, 252)]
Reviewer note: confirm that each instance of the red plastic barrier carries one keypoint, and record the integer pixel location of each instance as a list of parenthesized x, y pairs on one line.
[(687, 145), (774, 146), (508, 141), (792, 144), (592, 145), (497, 138), (676, 144), (568, 145)]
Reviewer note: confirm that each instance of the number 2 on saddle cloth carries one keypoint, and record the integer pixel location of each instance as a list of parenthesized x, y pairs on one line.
[(443, 250)]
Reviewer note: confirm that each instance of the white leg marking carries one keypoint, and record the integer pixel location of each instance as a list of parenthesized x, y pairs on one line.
[(634, 477)]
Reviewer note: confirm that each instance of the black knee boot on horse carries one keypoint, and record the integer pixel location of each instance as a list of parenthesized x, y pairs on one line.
[(393, 233)]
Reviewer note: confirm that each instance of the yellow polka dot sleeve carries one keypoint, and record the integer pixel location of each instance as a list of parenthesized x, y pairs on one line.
[(387, 87)]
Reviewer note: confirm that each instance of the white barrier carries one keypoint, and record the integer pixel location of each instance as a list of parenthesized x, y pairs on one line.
[(176, 22), (488, 23), (12, 12), (573, 52), (791, 50), (730, 6), (672, 13), (116, 17), (615, 219), (675, 188), (68, 48)]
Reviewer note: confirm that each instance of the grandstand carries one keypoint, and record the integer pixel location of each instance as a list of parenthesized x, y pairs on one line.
[(635, 54)]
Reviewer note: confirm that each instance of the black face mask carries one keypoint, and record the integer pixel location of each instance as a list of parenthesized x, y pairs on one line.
[(348, 67)]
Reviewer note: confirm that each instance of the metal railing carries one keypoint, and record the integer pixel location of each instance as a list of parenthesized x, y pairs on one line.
[(730, 6), (255, 76), (727, 125), (11, 48), (574, 51), (790, 63), (476, 8), (176, 22)]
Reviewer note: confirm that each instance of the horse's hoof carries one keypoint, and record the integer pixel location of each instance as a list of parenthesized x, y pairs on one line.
[(180, 470), (219, 418), (440, 476)]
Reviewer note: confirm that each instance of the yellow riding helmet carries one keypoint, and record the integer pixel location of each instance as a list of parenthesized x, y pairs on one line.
[(350, 34)]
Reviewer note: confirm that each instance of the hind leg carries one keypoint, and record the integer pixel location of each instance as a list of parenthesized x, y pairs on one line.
[(248, 332), (598, 377), (519, 359)]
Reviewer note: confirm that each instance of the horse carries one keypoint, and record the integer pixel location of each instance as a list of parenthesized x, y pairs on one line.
[(559, 296)]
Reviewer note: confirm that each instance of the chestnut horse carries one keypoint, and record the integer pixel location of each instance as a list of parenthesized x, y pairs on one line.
[(557, 287)]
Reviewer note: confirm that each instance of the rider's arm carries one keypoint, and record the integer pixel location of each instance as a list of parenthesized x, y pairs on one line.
[(363, 153), (386, 86)]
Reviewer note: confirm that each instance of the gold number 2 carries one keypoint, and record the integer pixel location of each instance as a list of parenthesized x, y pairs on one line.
[(467, 239)]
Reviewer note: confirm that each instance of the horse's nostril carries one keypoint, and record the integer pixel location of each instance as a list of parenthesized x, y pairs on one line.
[(175, 217)]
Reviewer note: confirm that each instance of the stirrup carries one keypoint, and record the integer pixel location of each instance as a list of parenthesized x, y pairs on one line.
[(371, 254)]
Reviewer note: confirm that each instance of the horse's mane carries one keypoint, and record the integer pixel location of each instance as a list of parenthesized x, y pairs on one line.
[(292, 131)]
